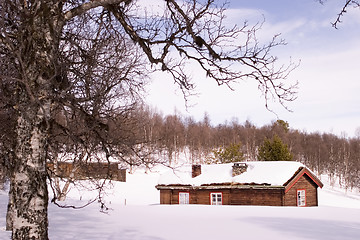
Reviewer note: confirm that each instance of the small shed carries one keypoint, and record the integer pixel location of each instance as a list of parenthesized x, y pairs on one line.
[(82, 171), (277, 183)]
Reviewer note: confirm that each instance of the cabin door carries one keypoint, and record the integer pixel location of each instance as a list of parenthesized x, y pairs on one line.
[(301, 198), (184, 197)]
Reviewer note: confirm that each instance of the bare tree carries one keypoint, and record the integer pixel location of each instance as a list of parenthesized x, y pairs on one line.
[(79, 59)]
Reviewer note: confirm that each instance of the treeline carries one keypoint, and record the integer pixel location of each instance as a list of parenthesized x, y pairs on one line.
[(324, 153), (138, 136)]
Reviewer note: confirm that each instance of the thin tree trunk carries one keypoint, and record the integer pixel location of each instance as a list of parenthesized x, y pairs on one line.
[(61, 193), (10, 209)]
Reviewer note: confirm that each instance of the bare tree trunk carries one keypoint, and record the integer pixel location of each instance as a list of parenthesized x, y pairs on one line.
[(62, 192), (62, 195), (37, 53), (28, 198)]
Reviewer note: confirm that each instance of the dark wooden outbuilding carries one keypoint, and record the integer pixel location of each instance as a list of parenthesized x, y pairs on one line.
[(300, 189), (83, 171)]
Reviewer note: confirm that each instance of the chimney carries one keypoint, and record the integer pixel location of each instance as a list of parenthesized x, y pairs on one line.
[(196, 170), (239, 168)]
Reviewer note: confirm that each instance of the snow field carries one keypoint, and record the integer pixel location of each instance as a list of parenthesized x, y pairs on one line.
[(206, 222), (142, 218)]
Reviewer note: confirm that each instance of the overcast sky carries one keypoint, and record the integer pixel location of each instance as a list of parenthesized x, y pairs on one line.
[(328, 75)]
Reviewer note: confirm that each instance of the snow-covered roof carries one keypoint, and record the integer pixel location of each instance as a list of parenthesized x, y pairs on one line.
[(270, 173)]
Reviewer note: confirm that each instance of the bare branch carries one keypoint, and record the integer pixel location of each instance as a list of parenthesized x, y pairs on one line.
[(343, 11), (196, 32), (85, 7)]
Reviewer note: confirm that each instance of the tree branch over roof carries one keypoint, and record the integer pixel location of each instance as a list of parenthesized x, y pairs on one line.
[(196, 33)]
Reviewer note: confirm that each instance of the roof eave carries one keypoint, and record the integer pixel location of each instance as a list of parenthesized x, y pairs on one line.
[(216, 187)]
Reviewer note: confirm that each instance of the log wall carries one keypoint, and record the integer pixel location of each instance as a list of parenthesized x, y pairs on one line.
[(310, 187), (87, 170), (260, 197), (165, 196), (248, 196)]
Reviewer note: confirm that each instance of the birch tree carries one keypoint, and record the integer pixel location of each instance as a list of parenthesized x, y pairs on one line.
[(84, 58)]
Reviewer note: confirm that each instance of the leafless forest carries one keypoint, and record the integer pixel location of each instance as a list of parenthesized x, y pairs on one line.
[(324, 153), (170, 135)]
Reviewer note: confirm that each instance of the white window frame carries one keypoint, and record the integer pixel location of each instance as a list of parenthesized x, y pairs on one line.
[(301, 197), (184, 198), (216, 198)]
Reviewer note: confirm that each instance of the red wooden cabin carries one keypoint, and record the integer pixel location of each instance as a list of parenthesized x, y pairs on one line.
[(246, 183)]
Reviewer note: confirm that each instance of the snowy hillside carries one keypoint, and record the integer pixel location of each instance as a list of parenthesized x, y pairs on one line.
[(136, 215)]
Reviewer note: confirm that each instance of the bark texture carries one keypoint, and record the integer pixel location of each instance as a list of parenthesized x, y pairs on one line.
[(28, 185), (36, 46)]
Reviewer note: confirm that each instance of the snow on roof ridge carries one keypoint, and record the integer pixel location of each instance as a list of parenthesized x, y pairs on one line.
[(275, 173)]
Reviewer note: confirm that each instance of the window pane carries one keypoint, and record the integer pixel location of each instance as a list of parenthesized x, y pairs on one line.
[(216, 198)]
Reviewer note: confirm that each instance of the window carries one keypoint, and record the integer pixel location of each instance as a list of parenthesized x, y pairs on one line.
[(216, 198), (301, 198), (184, 197)]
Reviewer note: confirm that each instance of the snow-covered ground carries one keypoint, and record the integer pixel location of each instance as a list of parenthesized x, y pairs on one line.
[(135, 214)]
